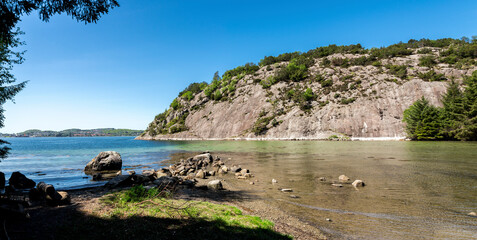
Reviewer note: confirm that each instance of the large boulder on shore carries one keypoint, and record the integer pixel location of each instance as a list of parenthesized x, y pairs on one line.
[(105, 161), (20, 181)]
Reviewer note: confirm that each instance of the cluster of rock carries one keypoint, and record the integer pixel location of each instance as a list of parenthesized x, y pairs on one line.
[(184, 172), (345, 179), (204, 165)]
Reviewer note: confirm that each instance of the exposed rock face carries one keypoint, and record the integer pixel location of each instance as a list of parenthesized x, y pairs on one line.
[(2, 180), (105, 161), (362, 102), (20, 181)]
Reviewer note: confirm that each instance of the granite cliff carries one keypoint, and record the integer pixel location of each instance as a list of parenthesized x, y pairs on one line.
[(334, 91)]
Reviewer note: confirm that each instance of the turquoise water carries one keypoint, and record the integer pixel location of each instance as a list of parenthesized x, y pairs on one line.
[(60, 161)]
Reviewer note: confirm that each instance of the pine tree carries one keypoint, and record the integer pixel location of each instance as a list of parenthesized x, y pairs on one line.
[(422, 121), (468, 130), (453, 111)]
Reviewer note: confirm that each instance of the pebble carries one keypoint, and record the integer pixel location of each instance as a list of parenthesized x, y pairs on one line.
[(287, 190), (337, 185), (251, 183), (294, 196), (274, 181), (322, 179), (328, 219)]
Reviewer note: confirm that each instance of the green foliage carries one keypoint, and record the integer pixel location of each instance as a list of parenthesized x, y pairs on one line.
[(296, 71), (424, 51), (422, 121), (340, 62), (261, 125), (248, 68), (267, 83), (308, 95), (327, 83), (396, 50), (193, 88), (348, 100), (427, 61), (136, 194), (285, 57), (175, 104), (399, 71), (431, 76), (187, 95)]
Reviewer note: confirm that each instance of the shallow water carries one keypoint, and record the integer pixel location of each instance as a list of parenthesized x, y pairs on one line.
[(414, 190)]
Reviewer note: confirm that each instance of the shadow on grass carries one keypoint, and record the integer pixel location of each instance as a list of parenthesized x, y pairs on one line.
[(138, 227)]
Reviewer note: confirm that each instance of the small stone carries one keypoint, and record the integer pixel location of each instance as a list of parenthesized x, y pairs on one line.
[(225, 169), (238, 174), (328, 219), (247, 175), (252, 183), (65, 198), (215, 185), (358, 183), (287, 190), (343, 178), (235, 169), (472, 214), (274, 181), (294, 196), (337, 185), (241, 177), (212, 173), (323, 179), (243, 171), (119, 173)]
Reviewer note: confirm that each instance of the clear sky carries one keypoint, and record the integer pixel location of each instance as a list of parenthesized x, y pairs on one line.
[(129, 66)]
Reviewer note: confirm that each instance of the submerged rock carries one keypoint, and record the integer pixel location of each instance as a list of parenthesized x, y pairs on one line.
[(215, 185), (20, 181), (105, 161)]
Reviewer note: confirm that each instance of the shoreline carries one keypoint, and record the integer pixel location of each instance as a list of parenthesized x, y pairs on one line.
[(273, 139)]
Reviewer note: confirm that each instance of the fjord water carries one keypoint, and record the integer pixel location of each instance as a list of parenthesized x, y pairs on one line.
[(414, 190)]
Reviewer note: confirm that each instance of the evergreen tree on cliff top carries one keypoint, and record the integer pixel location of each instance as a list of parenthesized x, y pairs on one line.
[(11, 11)]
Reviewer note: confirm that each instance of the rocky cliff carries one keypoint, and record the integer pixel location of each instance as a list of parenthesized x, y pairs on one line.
[(343, 91)]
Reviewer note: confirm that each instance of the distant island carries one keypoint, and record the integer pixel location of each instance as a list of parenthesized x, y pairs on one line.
[(75, 132)]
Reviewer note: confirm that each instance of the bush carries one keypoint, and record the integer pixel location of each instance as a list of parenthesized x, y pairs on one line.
[(308, 95), (260, 126), (431, 76), (296, 72), (427, 61), (187, 95), (327, 83), (399, 71), (194, 88), (175, 104), (267, 83), (340, 62)]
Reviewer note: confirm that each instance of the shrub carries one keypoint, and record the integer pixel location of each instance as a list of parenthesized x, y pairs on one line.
[(327, 83), (175, 104), (308, 95), (431, 76), (187, 95), (296, 72), (399, 71), (267, 83), (340, 62), (427, 61), (348, 101), (194, 88)]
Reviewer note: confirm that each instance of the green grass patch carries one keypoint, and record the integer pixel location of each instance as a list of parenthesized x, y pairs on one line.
[(138, 213)]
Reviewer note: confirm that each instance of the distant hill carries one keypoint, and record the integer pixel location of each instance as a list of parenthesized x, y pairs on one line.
[(75, 132)]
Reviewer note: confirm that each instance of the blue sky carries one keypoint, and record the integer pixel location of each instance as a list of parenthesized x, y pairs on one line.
[(129, 66)]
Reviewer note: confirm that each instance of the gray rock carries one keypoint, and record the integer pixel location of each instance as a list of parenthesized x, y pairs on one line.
[(105, 161), (20, 181), (140, 179), (323, 179), (215, 185), (358, 183), (165, 181), (243, 171), (148, 173), (212, 173), (203, 157), (120, 181), (287, 190), (235, 169), (337, 185)]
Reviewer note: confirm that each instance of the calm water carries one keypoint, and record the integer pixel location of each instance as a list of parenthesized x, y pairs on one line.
[(415, 190)]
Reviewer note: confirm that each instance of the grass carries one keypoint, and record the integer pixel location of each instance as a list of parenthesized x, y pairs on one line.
[(149, 214)]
